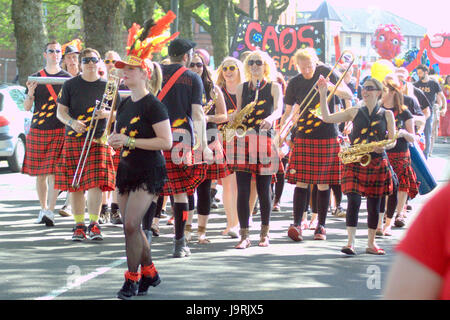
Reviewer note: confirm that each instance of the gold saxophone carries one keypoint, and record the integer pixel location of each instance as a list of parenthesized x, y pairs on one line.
[(361, 152), (236, 126), (209, 105)]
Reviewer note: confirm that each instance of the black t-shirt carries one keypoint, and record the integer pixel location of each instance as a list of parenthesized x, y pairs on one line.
[(135, 119), (421, 98), (308, 125), (186, 91), (412, 105), (430, 89), (80, 96), (400, 121), (44, 113)]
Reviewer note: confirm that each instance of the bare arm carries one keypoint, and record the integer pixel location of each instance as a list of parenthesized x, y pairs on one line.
[(221, 110), (337, 117), (408, 279), (62, 114), (277, 107), (199, 119), (162, 141), (29, 99)]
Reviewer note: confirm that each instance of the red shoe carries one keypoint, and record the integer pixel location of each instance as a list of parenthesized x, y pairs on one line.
[(295, 233), (170, 221), (320, 233)]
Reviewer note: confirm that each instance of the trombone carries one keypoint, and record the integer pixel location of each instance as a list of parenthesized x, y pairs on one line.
[(346, 55), (109, 95)]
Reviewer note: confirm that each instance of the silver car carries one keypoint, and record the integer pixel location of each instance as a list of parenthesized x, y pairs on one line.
[(14, 125)]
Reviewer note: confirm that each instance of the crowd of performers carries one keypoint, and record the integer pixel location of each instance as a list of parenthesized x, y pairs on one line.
[(171, 139)]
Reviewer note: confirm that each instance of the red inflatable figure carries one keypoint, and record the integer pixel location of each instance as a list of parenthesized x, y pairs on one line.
[(387, 41)]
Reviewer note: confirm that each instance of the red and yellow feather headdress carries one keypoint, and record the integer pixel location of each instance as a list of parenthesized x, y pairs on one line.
[(142, 42)]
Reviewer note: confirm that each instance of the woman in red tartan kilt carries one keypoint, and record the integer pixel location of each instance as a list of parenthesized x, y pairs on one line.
[(399, 157), (45, 140), (229, 75), (255, 153), (314, 158), (76, 106), (370, 123), (215, 111)]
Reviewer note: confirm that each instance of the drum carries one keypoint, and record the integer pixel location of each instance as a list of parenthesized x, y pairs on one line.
[(423, 173)]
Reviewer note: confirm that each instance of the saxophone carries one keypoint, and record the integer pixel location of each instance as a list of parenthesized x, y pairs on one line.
[(236, 126), (209, 105), (361, 152)]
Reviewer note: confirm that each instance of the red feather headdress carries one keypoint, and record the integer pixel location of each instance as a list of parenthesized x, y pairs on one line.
[(142, 42)]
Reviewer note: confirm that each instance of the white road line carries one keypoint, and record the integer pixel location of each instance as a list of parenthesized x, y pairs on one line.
[(79, 281)]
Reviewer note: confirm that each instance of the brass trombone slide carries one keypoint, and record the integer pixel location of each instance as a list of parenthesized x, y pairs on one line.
[(305, 103)]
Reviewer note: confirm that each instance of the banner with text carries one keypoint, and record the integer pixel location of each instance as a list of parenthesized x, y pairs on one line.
[(279, 41)]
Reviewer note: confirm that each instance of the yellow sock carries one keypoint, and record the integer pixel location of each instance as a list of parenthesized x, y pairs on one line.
[(79, 218), (93, 217)]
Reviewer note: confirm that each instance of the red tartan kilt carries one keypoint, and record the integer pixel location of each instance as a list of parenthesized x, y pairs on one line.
[(401, 163), (373, 181), (314, 161), (42, 151), (254, 153), (98, 171), (184, 176), (116, 158), (218, 168)]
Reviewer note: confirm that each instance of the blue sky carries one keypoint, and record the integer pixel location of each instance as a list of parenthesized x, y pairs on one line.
[(431, 14)]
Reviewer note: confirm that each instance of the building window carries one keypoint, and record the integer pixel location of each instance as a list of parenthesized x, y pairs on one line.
[(348, 41), (363, 41)]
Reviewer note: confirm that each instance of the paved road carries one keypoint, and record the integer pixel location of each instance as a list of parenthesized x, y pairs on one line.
[(37, 262)]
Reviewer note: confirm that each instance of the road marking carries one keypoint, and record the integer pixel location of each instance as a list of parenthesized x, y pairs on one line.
[(83, 279)]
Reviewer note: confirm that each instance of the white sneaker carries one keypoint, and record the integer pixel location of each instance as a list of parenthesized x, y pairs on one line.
[(40, 216), (49, 218)]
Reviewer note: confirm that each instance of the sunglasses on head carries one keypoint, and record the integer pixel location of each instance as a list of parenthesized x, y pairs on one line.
[(108, 61), (86, 60), (231, 68), (53, 51), (196, 64), (257, 62), (370, 88)]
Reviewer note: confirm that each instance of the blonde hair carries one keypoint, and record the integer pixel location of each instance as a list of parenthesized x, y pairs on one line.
[(154, 83), (270, 71), (306, 54), (220, 81)]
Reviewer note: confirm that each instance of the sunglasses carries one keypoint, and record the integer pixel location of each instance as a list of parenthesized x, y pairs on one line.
[(370, 88), (231, 68), (198, 64), (107, 61), (53, 51), (86, 60), (257, 62)]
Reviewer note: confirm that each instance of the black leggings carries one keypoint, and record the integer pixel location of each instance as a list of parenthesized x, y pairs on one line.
[(204, 198), (243, 180), (337, 191), (353, 205), (279, 185)]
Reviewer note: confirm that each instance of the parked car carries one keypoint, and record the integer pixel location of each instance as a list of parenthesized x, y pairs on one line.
[(14, 125)]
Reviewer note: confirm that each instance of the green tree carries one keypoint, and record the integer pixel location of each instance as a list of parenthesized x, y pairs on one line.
[(31, 36), (103, 25)]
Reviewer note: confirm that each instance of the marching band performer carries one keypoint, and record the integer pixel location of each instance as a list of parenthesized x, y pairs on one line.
[(229, 75), (75, 109), (370, 123), (218, 169), (182, 94), (314, 157), (399, 156), (142, 131), (256, 153), (45, 140)]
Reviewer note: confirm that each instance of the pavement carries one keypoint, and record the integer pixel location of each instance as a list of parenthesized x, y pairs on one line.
[(42, 263)]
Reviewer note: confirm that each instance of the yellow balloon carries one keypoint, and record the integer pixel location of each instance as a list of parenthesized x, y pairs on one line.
[(381, 68)]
